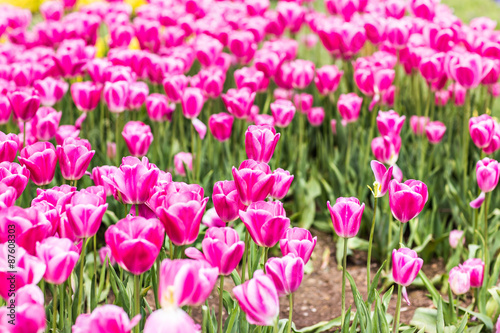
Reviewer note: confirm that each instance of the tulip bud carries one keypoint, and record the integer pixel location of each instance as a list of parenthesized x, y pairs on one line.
[(24, 103), (405, 266), (116, 95), (407, 199), (435, 131), (286, 272), (455, 237), (481, 130), (459, 280), (487, 174), (475, 267), (316, 116), (86, 95), (221, 126), (138, 138), (266, 222), (158, 108), (260, 143), (346, 216), (418, 124), (181, 159), (60, 256), (283, 112), (328, 79), (299, 242), (390, 123), (40, 159), (349, 106), (74, 158), (282, 183), (226, 200)]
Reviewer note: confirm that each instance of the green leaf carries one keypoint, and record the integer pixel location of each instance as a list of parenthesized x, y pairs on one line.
[(380, 321), (425, 319), (475, 329), (236, 278), (123, 295), (496, 272), (362, 310), (319, 327), (430, 287), (484, 318), (93, 298), (463, 324), (440, 317), (387, 297), (374, 283)]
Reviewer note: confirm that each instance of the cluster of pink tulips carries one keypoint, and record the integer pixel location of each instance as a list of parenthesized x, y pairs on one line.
[(241, 119)]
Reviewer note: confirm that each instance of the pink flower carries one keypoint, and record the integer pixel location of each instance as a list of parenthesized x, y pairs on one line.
[(302, 73), (46, 123), (382, 178), (192, 102), (116, 95), (29, 313), (5, 110), (239, 101), (327, 79), (283, 112), (15, 176), (418, 124), (85, 212), (459, 280), (390, 123), (252, 184), (303, 102), (86, 95), (138, 137), (50, 90), (487, 174), (226, 200), (349, 106), (222, 249), (106, 256), (185, 282), (250, 295), (249, 77), (40, 159), (398, 32), (174, 86), (481, 130), (282, 182), (467, 70), (105, 318), (24, 103), (74, 158), (286, 272), (137, 93), (221, 126), (266, 222), (386, 149), (52, 10), (407, 199), (435, 131), (405, 266), (8, 147), (475, 267), (158, 108), (135, 243), (260, 142), (181, 159), (299, 242), (97, 177), (346, 216), (60, 256), (199, 127), (455, 237), (170, 320), (316, 116)]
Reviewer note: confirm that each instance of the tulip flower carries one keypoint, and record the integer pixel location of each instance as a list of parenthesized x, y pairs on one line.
[(239, 101), (266, 222), (435, 131), (8, 147), (487, 174), (199, 127), (29, 270), (327, 79), (74, 158), (133, 180), (105, 318), (346, 216), (52, 10), (406, 265), (283, 112), (29, 311), (349, 106), (250, 294), (116, 95), (174, 87), (60, 256), (86, 95), (467, 70), (170, 320), (222, 249), (407, 199), (475, 267), (158, 108), (299, 242), (455, 237), (286, 272), (481, 130), (211, 219), (248, 77), (40, 159), (260, 142), (418, 124), (495, 141), (390, 123), (459, 280), (46, 123), (5, 110), (24, 103), (303, 102), (106, 256), (138, 137), (192, 102), (97, 177), (50, 90), (226, 200), (221, 126), (282, 182), (333, 126), (315, 116), (181, 159), (185, 282), (252, 185), (382, 178), (267, 62), (135, 243), (85, 212), (15, 176)]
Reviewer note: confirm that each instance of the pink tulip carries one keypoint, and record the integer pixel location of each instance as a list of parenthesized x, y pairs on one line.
[(286, 272), (29, 312), (106, 318), (398, 32), (170, 320), (303, 102), (192, 102), (60, 256), (495, 141), (467, 70), (111, 150), (407, 199), (435, 131), (86, 95), (8, 147), (386, 149), (208, 50), (15, 176), (283, 112), (405, 266), (50, 90), (116, 95), (459, 280), (390, 123), (238, 102), (226, 200), (138, 137), (137, 93), (181, 159), (96, 68), (302, 73), (316, 116), (442, 97), (222, 249), (24, 104), (455, 237), (475, 266), (252, 185), (481, 130), (431, 67), (158, 108), (29, 269), (46, 123), (282, 182), (333, 126), (106, 256), (327, 79), (135, 242), (133, 180), (74, 158), (382, 178), (52, 10), (199, 127), (266, 222), (97, 177), (221, 126), (5, 110), (299, 242), (250, 295), (346, 216), (66, 131), (242, 45), (418, 124), (8, 196), (267, 62), (40, 159), (260, 142), (249, 77), (174, 87), (349, 106), (211, 219), (185, 282), (487, 174), (85, 212)]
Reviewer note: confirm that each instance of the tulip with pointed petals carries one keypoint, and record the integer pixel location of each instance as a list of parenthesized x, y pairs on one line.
[(239, 101), (86, 95), (327, 79), (475, 266), (221, 126), (50, 90), (390, 123), (346, 216), (286, 272), (282, 182), (135, 242), (435, 131), (138, 137), (97, 177), (349, 106), (382, 178), (60, 256), (85, 212), (226, 200), (40, 159), (407, 199), (116, 95), (24, 103), (260, 142), (74, 158), (481, 130), (487, 174), (299, 242), (252, 184), (174, 86), (283, 112)]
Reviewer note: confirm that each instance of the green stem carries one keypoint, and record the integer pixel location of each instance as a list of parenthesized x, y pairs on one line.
[(398, 310), (61, 306), (370, 245), (276, 330), (80, 281), (269, 97), (290, 312), (54, 309), (344, 270), (348, 153), (245, 256), (465, 141), (401, 230), (485, 232), (264, 256), (476, 227), (24, 134), (95, 268), (156, 268), (221, 306), (137, 287), (171, 249), (194, 170), (117, 135)]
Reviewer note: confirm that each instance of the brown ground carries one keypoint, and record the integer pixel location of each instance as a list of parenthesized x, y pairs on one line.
[(319, 297)]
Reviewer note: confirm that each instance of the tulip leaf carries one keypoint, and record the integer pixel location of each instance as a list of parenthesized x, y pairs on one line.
[(387, 297), (475, 329), (93, 298), (425, 319), (364, 313), (374, 283), (236, 278), (430, 287), (123, 295), (319, 327), (463, 324), (410, 330), (347, 320), (440, 317), (496, 272), (484, 318), (227, 300)]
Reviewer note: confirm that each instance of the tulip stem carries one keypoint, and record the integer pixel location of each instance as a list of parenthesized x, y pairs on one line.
[(171, 249), (221, 305), (401, 231), (344, 270), (245, 255), (117, 133), (137, 287), (398, 310), (95, 267), (24, 134), (485, 232), (465, 141), (80, 282), (54, 309), (476, 222), (348, 153), (265, 254), (276, 329), (61, 306), (290, 312), (370, 245)]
